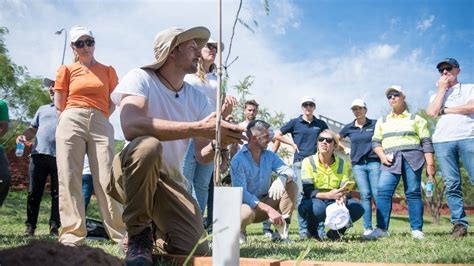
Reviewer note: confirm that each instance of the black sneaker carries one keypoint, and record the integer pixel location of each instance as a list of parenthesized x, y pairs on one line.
[(335, 235), (140, 249), (53, 230), (29, 231), (459, 230)]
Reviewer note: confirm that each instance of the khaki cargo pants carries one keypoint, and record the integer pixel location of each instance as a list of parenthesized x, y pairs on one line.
[(149, 196)]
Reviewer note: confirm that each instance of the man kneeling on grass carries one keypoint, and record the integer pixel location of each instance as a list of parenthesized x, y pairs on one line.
[(251, 169)]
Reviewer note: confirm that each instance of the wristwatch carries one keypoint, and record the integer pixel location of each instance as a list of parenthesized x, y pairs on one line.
[(441, 111)]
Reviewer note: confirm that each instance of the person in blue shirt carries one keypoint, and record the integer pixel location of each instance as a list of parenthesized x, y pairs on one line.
[(365, 163), (42, 164), (304, 130), (251, 169)]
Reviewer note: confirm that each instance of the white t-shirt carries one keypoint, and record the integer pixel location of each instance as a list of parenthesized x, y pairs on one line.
[(208, 88), (451, 127), (190, 106)]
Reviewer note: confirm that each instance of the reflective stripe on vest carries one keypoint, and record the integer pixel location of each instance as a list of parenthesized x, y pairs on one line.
[(400, 134)]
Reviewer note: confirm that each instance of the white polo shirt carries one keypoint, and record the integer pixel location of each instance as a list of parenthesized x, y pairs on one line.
[(451, 127)]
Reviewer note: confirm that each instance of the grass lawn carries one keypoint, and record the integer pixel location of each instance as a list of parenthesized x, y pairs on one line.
[(437, 247)]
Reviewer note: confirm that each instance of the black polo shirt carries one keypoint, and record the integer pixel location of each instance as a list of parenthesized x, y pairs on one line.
[(304, 135), (361, 141)]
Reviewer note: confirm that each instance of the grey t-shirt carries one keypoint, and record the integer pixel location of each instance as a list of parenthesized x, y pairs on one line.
[(45, 121)]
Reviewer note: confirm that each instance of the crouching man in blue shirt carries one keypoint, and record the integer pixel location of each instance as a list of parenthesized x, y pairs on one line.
[(251, 169)]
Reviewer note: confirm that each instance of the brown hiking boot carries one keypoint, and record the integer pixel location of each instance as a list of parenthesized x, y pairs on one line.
[(140, 248), (29, 231), (459, 230)]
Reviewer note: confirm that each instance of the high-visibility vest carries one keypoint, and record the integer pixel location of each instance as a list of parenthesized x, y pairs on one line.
[(401, 132), (323, 178)]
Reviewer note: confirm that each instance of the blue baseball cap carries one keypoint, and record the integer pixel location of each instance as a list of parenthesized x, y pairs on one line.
[(450, 61)]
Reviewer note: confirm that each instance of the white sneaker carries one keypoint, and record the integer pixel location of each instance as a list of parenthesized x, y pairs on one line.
[(377, 233), (367, 232), (417, 234), (243, 237)]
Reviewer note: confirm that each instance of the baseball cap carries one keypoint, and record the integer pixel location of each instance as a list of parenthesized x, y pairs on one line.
[(450, 61), (337, 216), (165, 41), (394, 88), (77, 31), (48, 82), (358, 102), (306, 99), (211, 41)]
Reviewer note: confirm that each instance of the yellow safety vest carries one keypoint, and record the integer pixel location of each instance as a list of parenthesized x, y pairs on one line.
[(401, 132), (322, 178)]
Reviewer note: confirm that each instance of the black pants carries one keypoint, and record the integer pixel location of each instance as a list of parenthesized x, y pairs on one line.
[(5, 176), (40, 167)]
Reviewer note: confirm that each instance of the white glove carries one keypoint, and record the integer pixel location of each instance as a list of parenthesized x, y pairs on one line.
[(277, 188)]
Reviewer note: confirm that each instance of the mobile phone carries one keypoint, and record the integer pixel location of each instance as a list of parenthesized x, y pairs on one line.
[(348, 186)]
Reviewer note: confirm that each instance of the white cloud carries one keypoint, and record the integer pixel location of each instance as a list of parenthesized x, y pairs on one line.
[(425, 24), (382, 51)]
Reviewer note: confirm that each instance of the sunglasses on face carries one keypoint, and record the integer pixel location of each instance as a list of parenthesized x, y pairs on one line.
[(211, 46), (328, 140), (308, 104), (81, 44), (393, 94), (447, 68)]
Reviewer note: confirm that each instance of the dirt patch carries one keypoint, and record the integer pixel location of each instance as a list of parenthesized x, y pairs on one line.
[(42, 253)]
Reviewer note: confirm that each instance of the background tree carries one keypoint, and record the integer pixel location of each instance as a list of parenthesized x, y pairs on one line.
[(23, 93)]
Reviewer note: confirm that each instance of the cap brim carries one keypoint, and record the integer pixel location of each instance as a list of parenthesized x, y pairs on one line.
[(199, 34), (47, 82)]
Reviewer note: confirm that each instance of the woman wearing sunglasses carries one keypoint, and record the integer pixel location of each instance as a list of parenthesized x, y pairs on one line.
[(402, 142), (324, 176), (365, 163), (82, 92), (205, 79)]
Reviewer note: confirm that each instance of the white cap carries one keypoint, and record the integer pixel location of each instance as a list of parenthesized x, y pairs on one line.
[(77, 31), (306, 99), (337, 216), (394, 88), (358, 102)]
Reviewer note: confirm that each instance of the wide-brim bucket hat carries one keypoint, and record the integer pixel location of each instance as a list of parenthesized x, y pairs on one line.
[(166, 40)]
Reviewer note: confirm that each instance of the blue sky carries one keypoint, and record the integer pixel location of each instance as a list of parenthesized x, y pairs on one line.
[(335, 50)]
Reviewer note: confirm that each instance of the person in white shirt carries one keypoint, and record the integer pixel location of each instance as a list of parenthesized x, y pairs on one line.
[(453, 139)]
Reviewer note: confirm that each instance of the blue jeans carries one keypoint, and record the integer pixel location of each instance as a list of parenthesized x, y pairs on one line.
[(367, 177), (313, 211), (87, 188), (412, 185), (448, 154), (198, 175)]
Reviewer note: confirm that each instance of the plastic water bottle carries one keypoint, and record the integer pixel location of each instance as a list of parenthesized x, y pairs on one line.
[(429, 189), (20, 149)]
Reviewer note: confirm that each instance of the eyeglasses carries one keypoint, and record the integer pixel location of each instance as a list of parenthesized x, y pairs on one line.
[(448, 68), (81, 44), (211, 46), (308, 104), (328, 140), (393, 94)]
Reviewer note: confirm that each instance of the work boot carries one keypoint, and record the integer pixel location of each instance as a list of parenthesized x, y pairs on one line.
[(29, 231), (459, 230), (140, 249), (53, 230), (336, 234)]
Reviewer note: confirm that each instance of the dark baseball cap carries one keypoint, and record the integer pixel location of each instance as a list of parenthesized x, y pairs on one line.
[(450, 61), (48, 82)]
